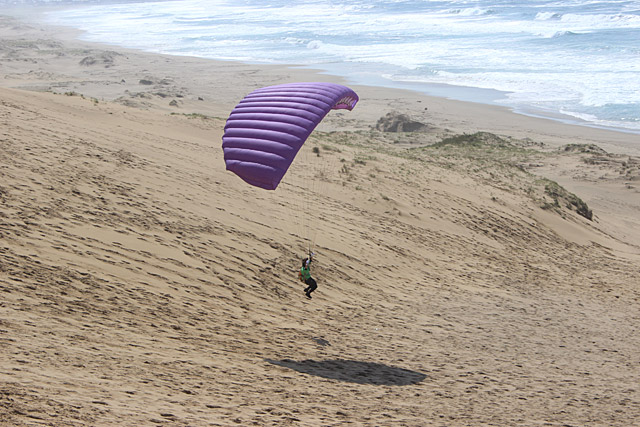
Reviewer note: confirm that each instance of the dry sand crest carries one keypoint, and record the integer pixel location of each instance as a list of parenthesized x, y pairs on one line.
[(143, 285)]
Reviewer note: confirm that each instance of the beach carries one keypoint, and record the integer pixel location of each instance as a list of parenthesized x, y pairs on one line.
[(460, 281)]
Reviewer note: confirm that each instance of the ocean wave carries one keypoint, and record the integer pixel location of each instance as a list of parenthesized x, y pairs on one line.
[(547, 16), (559, 34), (294, 40), (471, 11), (631, 124), (315, 44), (595, 21)]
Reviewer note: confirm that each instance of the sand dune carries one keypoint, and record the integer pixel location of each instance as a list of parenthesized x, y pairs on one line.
[(142, 284)]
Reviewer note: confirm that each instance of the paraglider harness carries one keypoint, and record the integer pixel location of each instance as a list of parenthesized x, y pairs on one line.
[(305, 276), (304, 272)]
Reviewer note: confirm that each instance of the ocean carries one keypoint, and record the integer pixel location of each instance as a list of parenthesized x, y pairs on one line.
[(571, 60)]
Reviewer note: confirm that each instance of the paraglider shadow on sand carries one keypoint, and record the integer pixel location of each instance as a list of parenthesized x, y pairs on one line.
[(353, 371)]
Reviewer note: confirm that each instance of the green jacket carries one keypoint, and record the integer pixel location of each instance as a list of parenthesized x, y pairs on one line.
[(305, 273)]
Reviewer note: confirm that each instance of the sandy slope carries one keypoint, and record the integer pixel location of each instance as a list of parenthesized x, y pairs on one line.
[(143, 285)]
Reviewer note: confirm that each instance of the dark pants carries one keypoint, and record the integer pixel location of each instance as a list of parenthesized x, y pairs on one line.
[(311, 285)]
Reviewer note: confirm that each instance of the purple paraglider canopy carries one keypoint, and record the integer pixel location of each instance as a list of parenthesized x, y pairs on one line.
[(267, 128)]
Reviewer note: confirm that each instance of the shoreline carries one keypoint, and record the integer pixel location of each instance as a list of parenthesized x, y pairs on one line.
[(469, 94), (360, 77), (471, 102)]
